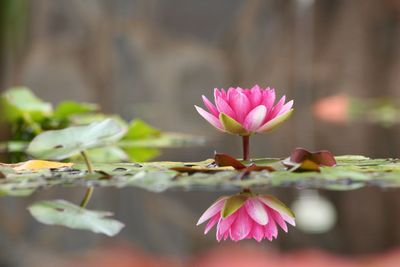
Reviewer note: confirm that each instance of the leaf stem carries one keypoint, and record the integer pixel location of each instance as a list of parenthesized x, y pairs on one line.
[(87, 161), (246, 147), (89, 190), (87, 197)]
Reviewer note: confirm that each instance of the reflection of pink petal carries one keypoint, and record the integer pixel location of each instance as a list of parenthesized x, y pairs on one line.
[(224, 225), (257, 218), (211, 223), (241, 227), (213, 210), (256, 211)]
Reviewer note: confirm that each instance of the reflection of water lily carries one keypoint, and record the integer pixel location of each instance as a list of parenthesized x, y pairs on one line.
[(246, 216), (246, 111)]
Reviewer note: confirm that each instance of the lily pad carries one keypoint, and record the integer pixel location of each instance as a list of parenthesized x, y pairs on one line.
[(61, 212), (70, 108), (20, 102), (61, 144), (351, 172)]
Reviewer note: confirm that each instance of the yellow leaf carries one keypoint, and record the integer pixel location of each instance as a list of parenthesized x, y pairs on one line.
[(39, 164)]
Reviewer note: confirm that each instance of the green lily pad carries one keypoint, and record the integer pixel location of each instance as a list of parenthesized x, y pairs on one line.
[(350, 173), (20, 102), (61, 144), (70, 108), (64, 213)]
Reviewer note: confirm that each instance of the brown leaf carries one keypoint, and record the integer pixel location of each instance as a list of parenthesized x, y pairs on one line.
[(223, 160), (191, 170), (321, 158)]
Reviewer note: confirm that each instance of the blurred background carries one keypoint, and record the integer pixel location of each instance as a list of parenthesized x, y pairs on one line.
[(153, 59)]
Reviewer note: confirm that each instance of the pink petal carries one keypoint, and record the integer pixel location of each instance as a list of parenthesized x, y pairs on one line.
[(257, 232), (273, 203), (255, 118), (256, 211), (230, 94), (270, 230), (224, 225), (275, 122), (241, 105), (210, 106), (211, 223), (213, 210), (241, 227), (219, 93), (226, 235), (214, 121), (255, 96), (268, 96), (278, 219), (288, 219), (275, 110), (286, 107), (223, 107)]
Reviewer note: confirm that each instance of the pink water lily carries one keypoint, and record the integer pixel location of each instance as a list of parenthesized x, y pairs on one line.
[(247, 216), (245, 111)]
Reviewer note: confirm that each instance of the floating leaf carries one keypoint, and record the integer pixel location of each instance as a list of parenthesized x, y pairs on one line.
[(38, 165), (305, 166), (61, 144), (138, 129), (196, 169), (61, 212), (109, 154), (321, 158), (69, 108), (141, 154), (20, 102), (223, 160), (350, 172)]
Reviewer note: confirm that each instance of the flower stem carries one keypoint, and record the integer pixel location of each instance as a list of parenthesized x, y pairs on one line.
[(89, 191), (246, 146)]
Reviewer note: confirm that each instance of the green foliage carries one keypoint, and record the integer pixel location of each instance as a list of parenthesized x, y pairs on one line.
[(69, 108), (61, 212), (21, 103), (62, 144), (31, 118)]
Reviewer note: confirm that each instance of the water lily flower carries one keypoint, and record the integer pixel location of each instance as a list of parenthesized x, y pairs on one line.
[(246, 216), (245, 111)]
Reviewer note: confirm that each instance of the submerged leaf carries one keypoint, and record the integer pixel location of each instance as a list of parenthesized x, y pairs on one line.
[(61, 212), (61, 144)]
